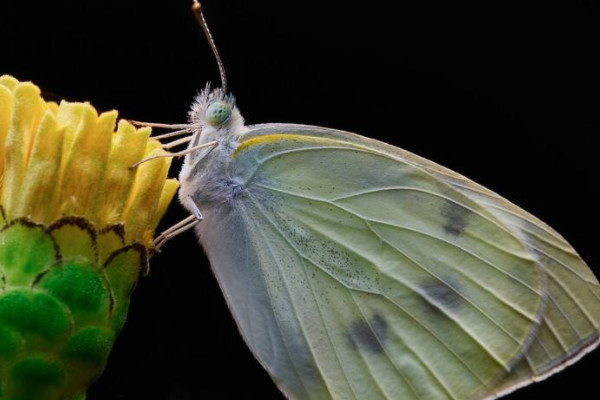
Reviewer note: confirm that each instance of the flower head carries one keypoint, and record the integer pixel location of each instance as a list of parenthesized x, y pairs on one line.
[(76, 228)]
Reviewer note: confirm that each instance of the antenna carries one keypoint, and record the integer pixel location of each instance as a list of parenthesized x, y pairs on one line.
[(197, 9)]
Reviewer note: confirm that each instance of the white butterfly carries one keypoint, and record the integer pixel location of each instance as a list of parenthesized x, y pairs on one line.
[(357, 270)]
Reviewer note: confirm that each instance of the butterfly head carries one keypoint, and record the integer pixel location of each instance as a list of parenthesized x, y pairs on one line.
[(215, 110)]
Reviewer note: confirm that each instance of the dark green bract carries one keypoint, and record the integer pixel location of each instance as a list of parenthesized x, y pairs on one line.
[(61, 306)]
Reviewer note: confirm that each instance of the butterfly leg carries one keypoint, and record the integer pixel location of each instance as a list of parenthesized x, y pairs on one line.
[(212, 144), (177, 130), (181, 226), (163, 126), (175, 230), (177, 142)]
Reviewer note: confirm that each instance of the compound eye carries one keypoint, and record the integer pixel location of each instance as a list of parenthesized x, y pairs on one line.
[(217, 113)]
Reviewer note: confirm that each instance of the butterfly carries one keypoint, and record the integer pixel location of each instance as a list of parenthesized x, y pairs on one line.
[(355, 269)]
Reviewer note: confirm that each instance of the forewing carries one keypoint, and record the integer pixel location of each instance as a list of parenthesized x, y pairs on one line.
[(356, 273), (571, 318)]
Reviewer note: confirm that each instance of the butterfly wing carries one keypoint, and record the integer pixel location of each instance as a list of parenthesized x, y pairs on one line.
[(357, 270)]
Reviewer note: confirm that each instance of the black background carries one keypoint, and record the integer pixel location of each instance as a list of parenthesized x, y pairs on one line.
[(506, 94)]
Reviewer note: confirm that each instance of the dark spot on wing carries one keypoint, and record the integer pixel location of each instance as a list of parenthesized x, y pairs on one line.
[(369, 335), (456, 218), (442, 294)]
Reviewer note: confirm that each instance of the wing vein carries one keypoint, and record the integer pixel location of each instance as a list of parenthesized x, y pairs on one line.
[(565, 289), (334, 346), (567, 249), (281, 332), (537, 339), (498, 296), (431, 236), (422, 295), (309, 148), (422, 267), (492, 244), (415, 189), (392, 361), (565, 266), (399, 307)]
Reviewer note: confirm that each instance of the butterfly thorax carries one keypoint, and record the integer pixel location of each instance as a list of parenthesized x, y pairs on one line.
[(204, 176)]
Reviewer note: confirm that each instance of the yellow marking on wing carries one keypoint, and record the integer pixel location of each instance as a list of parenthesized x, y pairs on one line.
[(288, 137)]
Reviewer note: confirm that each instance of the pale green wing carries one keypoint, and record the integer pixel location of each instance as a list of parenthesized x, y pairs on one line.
[(356, 270), (571, 318), (569, 328)]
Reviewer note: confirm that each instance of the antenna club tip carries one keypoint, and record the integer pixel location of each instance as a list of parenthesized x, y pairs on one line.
[(197, 10)]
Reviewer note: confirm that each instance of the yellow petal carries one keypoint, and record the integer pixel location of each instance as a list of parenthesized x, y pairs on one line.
[(38, 192), (66, 160)]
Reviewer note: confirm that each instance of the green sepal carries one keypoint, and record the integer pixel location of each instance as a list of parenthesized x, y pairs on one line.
[(64, 296), (76, 239), (26, 251)]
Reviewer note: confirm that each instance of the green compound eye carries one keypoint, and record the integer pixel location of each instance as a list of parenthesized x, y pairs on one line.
[(217, 113)]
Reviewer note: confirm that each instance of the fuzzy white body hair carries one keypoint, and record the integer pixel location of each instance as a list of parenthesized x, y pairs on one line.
[(203, 177)]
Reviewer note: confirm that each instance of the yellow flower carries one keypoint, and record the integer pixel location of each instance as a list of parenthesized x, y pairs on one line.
[(76, 228), (65, 159)]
